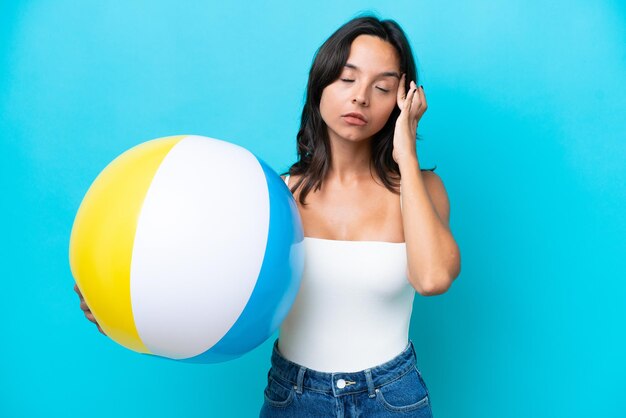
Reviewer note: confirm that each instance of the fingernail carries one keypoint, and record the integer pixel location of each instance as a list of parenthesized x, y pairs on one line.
[(422, 87)]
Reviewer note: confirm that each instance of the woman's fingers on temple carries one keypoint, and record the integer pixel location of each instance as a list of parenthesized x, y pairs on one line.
[(420, 105), (401, 94), (409, 99), (418, 100)]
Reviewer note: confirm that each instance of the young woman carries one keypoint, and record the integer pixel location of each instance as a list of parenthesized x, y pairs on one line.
[(376, 230)]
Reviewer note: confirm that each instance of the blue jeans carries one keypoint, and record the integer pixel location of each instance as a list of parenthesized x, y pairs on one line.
[(394, 388)]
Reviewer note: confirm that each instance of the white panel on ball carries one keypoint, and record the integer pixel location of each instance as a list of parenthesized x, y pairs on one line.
[(205, 211)]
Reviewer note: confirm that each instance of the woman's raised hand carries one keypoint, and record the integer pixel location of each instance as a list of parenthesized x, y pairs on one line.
[(86, 310), (412, 106)]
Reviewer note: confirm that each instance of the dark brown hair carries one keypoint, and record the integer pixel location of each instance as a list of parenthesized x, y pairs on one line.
[(313, 145)]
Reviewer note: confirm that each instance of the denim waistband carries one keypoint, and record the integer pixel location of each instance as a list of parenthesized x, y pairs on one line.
[(342, 383)]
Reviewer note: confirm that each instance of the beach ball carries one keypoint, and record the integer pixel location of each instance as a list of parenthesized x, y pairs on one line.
[(188, 248)]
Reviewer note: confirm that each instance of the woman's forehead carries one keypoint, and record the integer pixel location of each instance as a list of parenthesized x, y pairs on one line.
[(370, 53)]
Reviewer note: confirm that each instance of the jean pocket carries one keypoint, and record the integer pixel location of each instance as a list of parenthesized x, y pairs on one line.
[(404, 394), (278, 394)]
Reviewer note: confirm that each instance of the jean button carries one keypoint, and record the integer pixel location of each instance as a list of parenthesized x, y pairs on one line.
[(341, 383)]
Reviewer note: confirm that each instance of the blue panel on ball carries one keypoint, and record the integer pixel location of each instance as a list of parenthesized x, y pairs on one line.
[(278, 282)]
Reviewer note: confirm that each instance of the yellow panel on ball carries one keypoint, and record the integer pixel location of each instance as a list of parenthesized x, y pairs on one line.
[(101, 244)]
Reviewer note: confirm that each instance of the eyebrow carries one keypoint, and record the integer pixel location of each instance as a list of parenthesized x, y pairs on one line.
[(383, 74)]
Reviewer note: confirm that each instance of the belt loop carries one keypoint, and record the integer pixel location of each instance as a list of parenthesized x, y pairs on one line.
[(300, 380), (370, 383)]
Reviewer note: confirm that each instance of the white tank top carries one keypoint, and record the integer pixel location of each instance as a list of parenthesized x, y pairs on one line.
[(353, 308)]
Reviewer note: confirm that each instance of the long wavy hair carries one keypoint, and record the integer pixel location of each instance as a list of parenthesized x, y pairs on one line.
[(313, 144)]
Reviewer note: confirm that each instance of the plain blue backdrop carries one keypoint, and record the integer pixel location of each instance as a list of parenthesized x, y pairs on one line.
[(526, 125)]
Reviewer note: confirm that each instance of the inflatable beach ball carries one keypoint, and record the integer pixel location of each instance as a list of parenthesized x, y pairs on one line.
[(189, 248)]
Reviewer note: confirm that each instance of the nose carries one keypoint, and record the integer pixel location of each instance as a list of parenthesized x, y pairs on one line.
[(360, 101), (360, 96)]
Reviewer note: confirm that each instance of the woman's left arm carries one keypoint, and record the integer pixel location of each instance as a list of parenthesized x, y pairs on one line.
[(433, 256)]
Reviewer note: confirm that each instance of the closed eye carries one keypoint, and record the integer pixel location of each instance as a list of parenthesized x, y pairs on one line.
[(347, 80)]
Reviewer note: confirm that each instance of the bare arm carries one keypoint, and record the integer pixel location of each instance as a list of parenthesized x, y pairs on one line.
[(434, 259)]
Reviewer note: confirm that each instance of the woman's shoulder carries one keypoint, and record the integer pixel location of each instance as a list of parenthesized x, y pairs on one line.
[(429, 174), (291, 177), (291, 180)]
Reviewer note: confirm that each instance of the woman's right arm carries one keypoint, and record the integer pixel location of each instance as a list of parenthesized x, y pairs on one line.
[(86, 310)]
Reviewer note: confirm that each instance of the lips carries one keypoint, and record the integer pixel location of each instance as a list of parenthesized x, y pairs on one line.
[(354, 118), (356, 115)]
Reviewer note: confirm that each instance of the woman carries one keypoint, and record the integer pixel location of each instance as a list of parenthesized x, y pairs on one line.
[(376, 230)]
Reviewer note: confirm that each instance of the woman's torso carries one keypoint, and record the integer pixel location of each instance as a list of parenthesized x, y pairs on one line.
[(354, 305)]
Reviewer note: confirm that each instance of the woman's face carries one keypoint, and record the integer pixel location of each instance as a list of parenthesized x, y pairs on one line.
[(368, 86)]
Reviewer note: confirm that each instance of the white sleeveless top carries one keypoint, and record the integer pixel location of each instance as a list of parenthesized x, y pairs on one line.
[(353, 308)]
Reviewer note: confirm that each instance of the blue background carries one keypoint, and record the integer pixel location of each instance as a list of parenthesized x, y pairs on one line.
[(525, 123)]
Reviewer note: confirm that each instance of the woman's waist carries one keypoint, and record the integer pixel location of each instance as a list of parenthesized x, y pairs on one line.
[(287, 371), (341, 350)]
